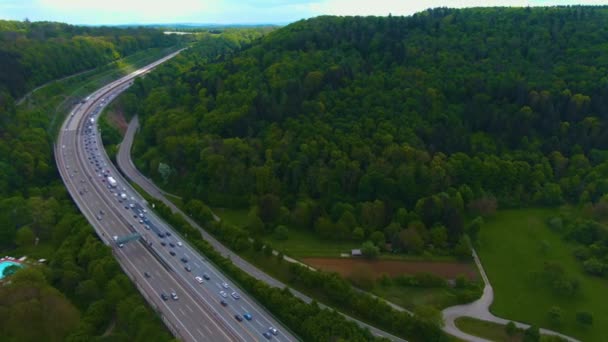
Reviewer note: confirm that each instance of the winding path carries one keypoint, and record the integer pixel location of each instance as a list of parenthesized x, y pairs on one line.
[(480, 309)]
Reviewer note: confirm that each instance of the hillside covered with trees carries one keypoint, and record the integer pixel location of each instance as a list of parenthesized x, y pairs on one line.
[(390, 129), (33, 53)]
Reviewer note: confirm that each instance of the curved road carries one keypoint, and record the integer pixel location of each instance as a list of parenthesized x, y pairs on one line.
[(155, 262), (480, 309), (125, 164)]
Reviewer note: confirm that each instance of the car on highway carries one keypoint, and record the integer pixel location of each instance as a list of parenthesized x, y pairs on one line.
[(225, 285), (172, 253), (98, 217), (235, 295), (168, 233), (267, 335), (174, 296), (247, 316), (164, 296), (223, 302), (206, 276), (223, 294), (188, 268), (238, 318), (171, 244), (273, 331), (199, 279), (179, 243), (163, 243), (184, 259), (146, 274)]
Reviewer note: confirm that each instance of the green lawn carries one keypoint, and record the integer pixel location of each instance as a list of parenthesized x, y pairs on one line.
[(307, 244), (510, 250), (237, 217), (489, 330)]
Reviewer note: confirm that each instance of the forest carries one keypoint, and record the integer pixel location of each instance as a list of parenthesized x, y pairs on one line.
[(392, 130), (80, 293), (33, 53)]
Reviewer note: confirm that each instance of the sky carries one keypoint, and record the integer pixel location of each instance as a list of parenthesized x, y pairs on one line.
[(111, 12)]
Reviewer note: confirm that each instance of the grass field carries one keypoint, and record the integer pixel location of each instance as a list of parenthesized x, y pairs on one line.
[(411, 297), (511, 249), (489, 330)]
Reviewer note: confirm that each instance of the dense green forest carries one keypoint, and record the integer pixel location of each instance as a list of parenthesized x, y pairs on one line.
[(81, 293), (33, 53), (389, 129)]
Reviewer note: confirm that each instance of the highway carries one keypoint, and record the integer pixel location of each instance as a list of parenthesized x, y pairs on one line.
[(156, 259)]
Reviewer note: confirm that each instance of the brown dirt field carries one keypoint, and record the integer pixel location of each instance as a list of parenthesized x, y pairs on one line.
[(345, 267)]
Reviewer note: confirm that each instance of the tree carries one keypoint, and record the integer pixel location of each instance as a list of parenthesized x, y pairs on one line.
[(555, 315), (268, 250), (511, 329), (410, 241), (473, 228), (269, 208), (369, 250), (358, 234), (165, 171), (378, 239), (532, 334), (585, 318), (254, 223), (281, 232), (24, 237)]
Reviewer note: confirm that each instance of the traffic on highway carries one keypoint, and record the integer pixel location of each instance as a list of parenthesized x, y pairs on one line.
[(196, 301)]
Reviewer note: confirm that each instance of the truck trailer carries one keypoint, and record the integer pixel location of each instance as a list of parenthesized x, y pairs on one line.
[(112, 182)]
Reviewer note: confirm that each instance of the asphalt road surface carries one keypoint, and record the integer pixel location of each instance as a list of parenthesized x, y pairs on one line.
[(160, 264)]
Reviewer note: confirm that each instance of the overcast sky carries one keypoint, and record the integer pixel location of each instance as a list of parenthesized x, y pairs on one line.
[(97, 12)]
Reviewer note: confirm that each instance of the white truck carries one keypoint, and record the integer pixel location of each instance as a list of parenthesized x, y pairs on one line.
[(112, 182)]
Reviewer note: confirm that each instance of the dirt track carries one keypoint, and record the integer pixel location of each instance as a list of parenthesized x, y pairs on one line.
[(345, 266)]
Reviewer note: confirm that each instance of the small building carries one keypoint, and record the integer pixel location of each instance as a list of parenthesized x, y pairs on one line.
[(356, 252)]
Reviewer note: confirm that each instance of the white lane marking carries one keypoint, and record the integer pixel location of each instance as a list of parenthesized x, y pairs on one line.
[(182, 311), (209, 330), (258, 322), (200, 332), (189, 308)]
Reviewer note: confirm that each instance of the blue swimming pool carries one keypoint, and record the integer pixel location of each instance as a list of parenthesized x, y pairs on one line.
[(6, 263)]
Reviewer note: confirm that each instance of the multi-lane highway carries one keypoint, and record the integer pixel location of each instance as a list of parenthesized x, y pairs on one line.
[(194, 299)]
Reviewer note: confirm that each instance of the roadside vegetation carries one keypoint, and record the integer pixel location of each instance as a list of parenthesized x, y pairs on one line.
[(79, 293), (499, 332)]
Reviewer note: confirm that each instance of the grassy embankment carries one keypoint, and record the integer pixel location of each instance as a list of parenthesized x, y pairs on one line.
[(516, 243)]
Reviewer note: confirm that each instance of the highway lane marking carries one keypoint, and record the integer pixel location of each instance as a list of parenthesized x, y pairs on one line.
[(207, 328), (258, 322), (182, 311), (189, 308), (200, 332)]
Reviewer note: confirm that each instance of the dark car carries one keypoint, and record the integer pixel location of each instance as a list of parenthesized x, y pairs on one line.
[(168, 234), (161, 235), (164, 296), (172, 253), (184, 259), (238, 318), (163, 243), (146, 274), (267, 335), (224, 303), (188, 268), (171, 244), (206, 276)]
